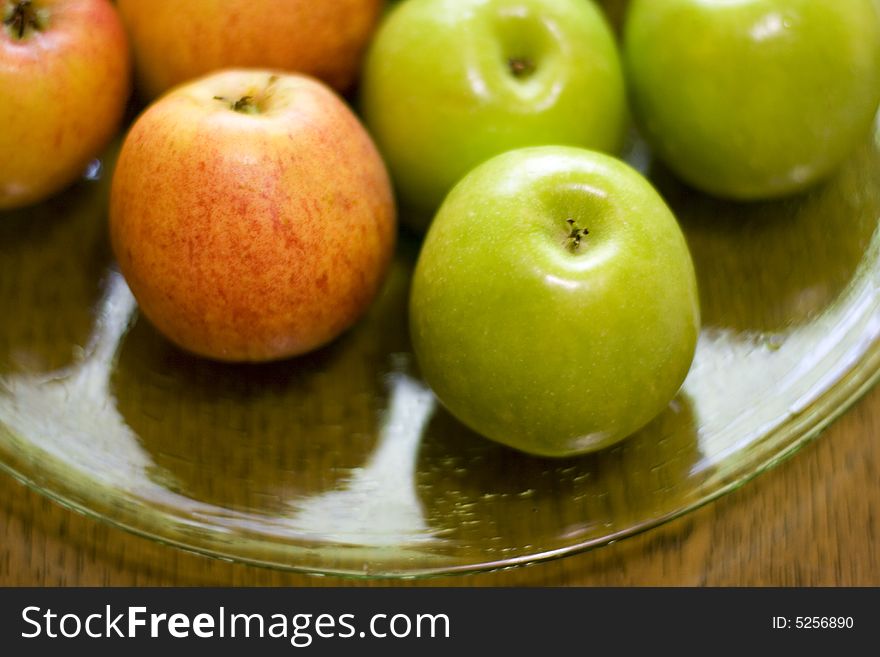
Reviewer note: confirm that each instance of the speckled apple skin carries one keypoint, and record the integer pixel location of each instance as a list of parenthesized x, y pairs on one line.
[(63, 95), (175, 41), (251, 237)]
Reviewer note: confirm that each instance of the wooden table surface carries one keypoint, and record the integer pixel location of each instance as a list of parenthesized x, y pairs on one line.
[(812, 521)]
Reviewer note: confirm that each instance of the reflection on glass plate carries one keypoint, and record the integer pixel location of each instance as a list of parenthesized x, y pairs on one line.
[(342, 461)]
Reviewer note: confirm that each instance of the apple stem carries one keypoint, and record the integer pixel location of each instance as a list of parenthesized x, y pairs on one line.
[(244, 105), (575, 235), (22, 18), (521, 67), (252, 103)]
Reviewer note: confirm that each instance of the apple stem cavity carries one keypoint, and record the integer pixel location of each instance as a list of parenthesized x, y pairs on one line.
[(521, 67), (244, 105), (22, 18), (253, 103), (575, 235)]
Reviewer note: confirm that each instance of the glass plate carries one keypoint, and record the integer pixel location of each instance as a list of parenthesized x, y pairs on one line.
[(341, 462)]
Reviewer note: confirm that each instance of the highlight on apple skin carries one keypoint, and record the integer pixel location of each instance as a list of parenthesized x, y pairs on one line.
[(554, 304), (251, 215)]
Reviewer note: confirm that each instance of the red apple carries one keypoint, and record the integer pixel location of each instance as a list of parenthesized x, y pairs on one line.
[(174, 41), (251, 215), (64, 82)]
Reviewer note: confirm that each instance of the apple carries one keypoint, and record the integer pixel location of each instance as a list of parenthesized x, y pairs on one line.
[(554, 303), (175, 41), (251, 215), (64, 72), (753, 99), (450, 83)]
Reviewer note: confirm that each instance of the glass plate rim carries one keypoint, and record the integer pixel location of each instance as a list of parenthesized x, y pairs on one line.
[(789, 437)]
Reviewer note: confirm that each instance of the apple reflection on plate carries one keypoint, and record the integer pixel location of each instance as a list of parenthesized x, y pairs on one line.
[(74, 414)]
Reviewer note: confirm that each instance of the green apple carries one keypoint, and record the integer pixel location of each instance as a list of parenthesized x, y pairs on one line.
[(451, 83), (554, 304), (753, 99)]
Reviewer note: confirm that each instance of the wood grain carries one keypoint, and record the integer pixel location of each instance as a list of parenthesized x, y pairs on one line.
[(812, 521)]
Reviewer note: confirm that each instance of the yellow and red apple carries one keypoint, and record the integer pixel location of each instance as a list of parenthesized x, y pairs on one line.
[(64, 82), (251, 215), (174, 41)]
